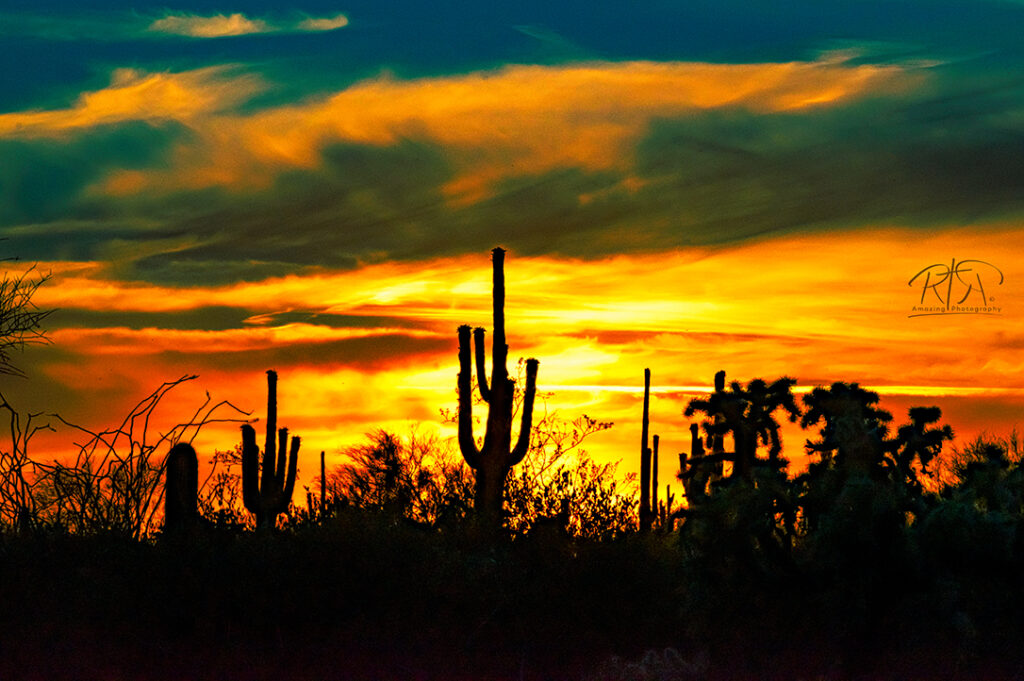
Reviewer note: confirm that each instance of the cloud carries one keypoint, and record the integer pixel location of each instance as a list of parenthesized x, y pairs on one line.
[(833, 303), (629, 157), (323, 23), (377, 343), (216, 26), (511, 121), (136, 96), (486, 120), (221, 25)]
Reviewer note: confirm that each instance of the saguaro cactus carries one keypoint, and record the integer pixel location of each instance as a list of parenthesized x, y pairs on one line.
[(492, 462), (267, 496), (181, 488), (646, 513)]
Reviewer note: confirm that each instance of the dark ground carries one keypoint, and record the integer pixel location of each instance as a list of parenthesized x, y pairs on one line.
[(369, 599)]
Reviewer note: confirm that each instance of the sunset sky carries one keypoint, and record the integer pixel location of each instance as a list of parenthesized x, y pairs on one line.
[(315, 188)]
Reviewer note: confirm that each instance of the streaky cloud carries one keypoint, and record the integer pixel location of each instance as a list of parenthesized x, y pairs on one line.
[(135, 95), (238, 24), (491, 124), (216, 26)]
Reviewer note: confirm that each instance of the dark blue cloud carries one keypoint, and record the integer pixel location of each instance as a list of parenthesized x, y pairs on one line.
[(949, 151)]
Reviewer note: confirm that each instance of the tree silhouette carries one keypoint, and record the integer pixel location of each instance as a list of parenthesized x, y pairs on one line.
[(20, 319), (417, 478)]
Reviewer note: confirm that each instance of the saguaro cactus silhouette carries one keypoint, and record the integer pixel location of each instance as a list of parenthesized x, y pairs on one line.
[(181, 488), (492, 462), (645, 458), (267, 495)]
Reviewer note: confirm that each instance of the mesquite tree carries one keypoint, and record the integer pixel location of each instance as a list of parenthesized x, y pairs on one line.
[(492, 461), (267, 493)]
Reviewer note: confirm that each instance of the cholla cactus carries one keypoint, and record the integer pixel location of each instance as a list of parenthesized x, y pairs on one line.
[(748, 415), (268, 495)]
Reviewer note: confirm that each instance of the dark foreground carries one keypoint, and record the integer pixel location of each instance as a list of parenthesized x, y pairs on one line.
[(366, 598)]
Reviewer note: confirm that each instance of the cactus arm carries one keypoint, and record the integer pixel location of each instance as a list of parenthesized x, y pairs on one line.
[(289, 483), (696, 444), (719, 381), (323, 483), (523, 442), (250, 469), (481, 364), (654, 474), (466, 444), (282, 449)]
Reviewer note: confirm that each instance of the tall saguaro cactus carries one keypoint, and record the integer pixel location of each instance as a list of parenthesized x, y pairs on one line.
[(492, 462), (267, 496), (646, 512)]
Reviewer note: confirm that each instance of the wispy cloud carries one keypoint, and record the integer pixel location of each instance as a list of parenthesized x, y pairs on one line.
[(323, 23), (225, 25), (183, 177), (491, 124), (216, 26), (120, 25), (137, 96)]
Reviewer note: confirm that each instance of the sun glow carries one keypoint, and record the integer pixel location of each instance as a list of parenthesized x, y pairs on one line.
[(377, 344)]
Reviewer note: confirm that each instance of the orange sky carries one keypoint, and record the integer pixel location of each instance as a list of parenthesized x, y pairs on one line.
[(765, 218), (816, 307)]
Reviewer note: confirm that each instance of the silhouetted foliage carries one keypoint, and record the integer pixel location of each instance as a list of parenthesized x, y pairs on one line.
[(220, 500), (889, 557), (113, 484), (419, 479), (558, 481), (20, 320)]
